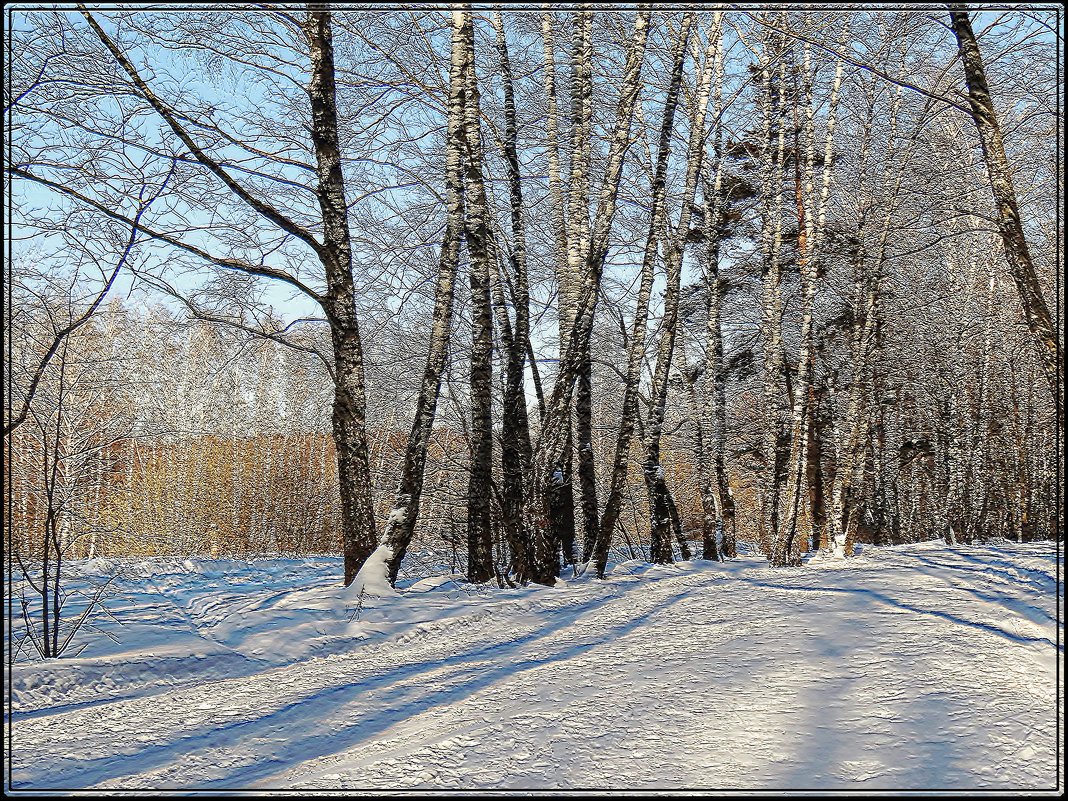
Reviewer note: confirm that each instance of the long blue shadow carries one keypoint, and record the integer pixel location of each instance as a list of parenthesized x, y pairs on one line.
[(1042, 584), (479, 678), (83, 773), (888, 601), (243, 665), (1014, 604)]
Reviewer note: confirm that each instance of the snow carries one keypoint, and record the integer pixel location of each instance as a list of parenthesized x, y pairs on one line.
[(914, 667), (373, 578)]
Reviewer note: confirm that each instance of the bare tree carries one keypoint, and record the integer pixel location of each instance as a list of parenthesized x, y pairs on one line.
[(333, 252), (1017, 253), (402, 518), (629, 413)]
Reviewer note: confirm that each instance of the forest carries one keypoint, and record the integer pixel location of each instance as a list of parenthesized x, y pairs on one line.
[(533, 398), (532, 287)]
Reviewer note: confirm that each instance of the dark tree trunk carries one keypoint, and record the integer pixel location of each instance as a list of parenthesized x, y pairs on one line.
[(676, 528), (350, 405), (476, 229), (561, 501), (350, 441), (716, 499), (584, 437), (1017, 253), (818, 428), (776, 379), (515, 432)]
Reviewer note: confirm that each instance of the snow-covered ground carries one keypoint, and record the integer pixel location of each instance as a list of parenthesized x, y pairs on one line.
[(921, 666)]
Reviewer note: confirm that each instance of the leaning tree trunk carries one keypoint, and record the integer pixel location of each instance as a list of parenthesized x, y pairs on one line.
[(476, 229), (350, 404), (402, 519), (598, 549), (1017, 253), (663, 521), (554, 436)]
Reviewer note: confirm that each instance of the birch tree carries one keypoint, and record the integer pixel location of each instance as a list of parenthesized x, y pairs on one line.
[(663, 521), (516, 448), (402, 518), (718, 539), (776, 378), (1017, 253), (477, 236), (598, 549)]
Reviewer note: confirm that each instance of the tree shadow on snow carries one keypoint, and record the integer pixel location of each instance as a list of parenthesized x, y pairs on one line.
[(295, 724)]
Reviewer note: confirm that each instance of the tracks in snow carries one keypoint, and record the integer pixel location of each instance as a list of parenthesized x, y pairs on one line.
[(909, 668)]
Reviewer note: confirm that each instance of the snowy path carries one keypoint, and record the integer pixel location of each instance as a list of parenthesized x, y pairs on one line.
[(913, 667)]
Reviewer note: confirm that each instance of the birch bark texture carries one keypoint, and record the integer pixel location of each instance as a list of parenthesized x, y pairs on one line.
[(400, 525), (552, 444), (1017, 253), (516, 451), (479, 249), (717, 500)]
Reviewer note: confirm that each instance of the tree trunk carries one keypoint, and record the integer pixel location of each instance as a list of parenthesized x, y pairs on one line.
[(599, 548), (402, 519), (716, 498), (476, 229), (556, 530), (515, 433), (1017, 253), (818, 426), (787, 537), (776, 378), (350, 405), (578, 216)]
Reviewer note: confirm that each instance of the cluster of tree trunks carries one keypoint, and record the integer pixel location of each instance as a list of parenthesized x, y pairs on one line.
[(811, 498)]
